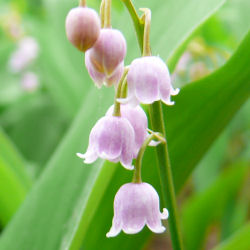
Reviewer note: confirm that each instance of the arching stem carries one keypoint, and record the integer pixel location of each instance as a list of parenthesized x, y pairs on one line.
[(118, 93), (138, 163), (146, 18)]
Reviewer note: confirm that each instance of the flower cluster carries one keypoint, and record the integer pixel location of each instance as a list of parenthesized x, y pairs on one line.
[(122, 133)]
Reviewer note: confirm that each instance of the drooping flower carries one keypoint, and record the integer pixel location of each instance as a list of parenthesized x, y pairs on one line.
[(135, 205), (100, 78), (139, 121), (112, 138), (82, 27), (149, 81), (108, 52)]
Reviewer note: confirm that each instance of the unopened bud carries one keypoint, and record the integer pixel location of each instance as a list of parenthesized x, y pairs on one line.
[(83, 27), (109, 51)]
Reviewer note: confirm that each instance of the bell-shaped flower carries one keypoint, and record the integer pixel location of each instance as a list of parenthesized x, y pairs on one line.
[(100, 78), (135, 205), (139, 121), (112, 138), (82, 27), (108, 52), (149, 81)]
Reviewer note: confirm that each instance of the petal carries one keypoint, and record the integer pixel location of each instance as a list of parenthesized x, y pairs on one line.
[(147, 89), (109, 141), (164, 214), (128, 145), (96, 75), (116, 227), (89, 157)]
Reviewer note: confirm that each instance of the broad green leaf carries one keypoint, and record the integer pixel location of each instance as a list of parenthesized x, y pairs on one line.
[(218, 97), (55, 204), (15, 181), (204, 208), (239, 240)]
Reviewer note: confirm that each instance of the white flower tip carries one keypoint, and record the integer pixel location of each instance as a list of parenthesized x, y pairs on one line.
[(164, 214), (82, 156), (175, 91), (112, 233), (129, 167), (169, 102)]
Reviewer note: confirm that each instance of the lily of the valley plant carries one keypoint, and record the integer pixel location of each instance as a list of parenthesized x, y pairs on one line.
[(122, 134)]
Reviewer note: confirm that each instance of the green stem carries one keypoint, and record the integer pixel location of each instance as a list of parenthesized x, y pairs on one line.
[(146, 34), (107, 14), (102, 14), (157, 122), (138, 24), (118, 93)]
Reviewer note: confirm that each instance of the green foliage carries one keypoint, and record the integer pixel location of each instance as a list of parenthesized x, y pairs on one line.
[(14, 179)]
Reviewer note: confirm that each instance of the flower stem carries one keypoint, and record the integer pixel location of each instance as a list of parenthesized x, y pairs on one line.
[(146, 34), (138, 163), (102, 14), (107, 14), (82, 3), (118, 93), (157, 122), (138, 24)]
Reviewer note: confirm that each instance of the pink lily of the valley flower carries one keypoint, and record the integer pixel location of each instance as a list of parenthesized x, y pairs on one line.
[(112, 138), (139, 121), (100, 78), (149, 81), (137, 205), (108, 52)]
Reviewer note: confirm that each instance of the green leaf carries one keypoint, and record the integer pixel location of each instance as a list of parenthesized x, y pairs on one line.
[(14, 179), (56, 201), (204, 108), (204, 208), (239, 240)]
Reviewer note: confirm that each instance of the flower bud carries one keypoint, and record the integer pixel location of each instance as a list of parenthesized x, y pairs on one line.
[(109, 51), (149, 81), (112, 138), (135, 205), (100, 78), (82, 27)]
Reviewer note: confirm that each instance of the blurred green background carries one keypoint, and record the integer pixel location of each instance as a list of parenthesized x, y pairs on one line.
[(37, 121)]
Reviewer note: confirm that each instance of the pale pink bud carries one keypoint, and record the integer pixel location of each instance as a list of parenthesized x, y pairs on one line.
[(139, 121), (112, 138), (149, 81), (135, 205), (82, 27), (100, 78), (29, 81), (108, 52)]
